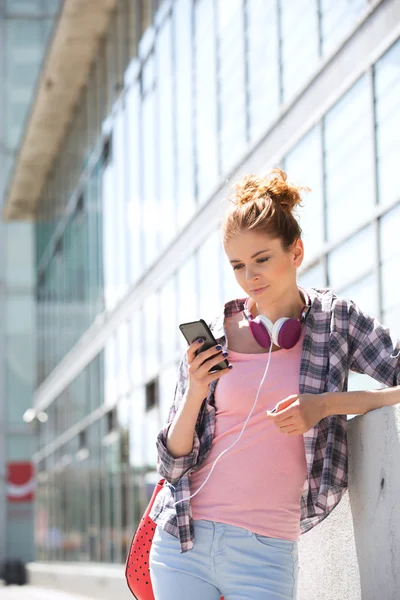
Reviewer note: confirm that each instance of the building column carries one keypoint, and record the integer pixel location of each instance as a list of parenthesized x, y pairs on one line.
[(3, 473)]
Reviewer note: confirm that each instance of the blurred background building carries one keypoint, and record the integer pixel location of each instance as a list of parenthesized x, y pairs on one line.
[(25, 30), (144, 115)]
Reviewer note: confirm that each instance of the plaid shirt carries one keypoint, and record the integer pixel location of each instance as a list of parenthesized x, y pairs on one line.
[(339, 337)]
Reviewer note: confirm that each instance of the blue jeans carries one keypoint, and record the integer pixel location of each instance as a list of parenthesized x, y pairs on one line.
[(225, 560)]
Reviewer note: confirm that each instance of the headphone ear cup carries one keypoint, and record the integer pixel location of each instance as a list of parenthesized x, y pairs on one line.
[(261, 328), (277, 328), (286, 332)]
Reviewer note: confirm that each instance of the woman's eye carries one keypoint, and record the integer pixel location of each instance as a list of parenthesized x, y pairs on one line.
[(259, 260)]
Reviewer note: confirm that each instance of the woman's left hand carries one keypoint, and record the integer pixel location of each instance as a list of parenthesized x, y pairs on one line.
[(298, 413)]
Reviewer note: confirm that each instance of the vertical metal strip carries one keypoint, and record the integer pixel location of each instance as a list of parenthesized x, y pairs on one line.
[(319, 21), (280, 52), (218, 99), (324, 258), (377, 221), (194, 52), (246, 33)]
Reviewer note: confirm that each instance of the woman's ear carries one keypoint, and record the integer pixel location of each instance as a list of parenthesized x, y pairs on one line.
[(298, 252)]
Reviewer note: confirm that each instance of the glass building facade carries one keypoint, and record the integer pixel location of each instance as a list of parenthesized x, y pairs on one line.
[(25, 30), (125, 250)]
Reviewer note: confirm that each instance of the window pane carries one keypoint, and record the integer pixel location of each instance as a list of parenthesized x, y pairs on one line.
[(137, 341), (387, 100), (137, 439), (231, 288), (151, 428), (364, 293), (299, 22), (168, 321), (20, 364), (338, 17), (150, 204), (313, 277), (168, 378), (110, 371), (25, 41), (120, 202), (94, 244), (232, 88), (151, 316), (124, 362), (262, 64), (20, 257), (209, 277), (135, 241), (109, 239), (391, 319), (96, 382), (353, 258), (184, 107), (390, 259), (206, 98), (349, 160), (188, 309), (304, 166), (390, 283), (165, 146), (34, 7)]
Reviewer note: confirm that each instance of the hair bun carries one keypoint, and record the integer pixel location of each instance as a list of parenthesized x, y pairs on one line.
[(272, 187)]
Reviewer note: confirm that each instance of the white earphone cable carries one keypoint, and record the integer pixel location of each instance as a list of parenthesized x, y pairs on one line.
[(244, 426)]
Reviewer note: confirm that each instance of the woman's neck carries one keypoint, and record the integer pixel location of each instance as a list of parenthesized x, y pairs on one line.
[(290, 305)]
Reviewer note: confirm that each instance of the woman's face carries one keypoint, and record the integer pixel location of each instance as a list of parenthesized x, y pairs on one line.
[(261, 266)]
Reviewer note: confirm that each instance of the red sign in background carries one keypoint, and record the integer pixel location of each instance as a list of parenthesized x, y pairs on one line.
[(20, 482)]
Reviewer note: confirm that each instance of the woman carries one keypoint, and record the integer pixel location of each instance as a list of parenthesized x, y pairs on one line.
[(243, 482)]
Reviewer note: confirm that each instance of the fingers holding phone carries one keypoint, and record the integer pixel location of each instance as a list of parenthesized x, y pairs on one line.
[(208, 359), (204, 356), (202, 365)]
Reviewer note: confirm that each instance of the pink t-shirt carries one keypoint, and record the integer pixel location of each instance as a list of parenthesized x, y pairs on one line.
[(258, 483)]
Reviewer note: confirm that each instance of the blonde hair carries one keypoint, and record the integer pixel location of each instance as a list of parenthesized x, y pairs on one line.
[(265, 204)]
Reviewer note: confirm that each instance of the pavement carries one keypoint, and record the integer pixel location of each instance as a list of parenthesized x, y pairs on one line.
[(30, 592)]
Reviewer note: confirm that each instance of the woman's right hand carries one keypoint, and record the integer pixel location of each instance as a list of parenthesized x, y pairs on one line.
[(199, 376)]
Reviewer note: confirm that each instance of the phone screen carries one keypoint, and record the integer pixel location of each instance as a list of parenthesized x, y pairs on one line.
[(199, 329)]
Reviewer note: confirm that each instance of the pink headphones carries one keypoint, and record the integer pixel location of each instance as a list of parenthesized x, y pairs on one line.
[(285, 332)]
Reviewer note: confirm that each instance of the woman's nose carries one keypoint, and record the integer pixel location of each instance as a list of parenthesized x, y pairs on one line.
[(251, 274)]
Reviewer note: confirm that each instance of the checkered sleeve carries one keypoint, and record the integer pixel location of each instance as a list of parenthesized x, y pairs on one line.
[(172, 469), (373, 350)]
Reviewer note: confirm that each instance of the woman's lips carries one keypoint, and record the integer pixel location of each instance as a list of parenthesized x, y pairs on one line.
[(259, 290)]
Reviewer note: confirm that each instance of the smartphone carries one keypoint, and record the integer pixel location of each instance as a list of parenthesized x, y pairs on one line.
[(199, 329)]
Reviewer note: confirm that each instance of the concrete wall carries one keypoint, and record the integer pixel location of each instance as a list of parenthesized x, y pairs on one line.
[(375, 501), (353, 555), (328, 559)]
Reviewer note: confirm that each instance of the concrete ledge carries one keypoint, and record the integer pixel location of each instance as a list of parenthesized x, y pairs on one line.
[(30, 592), (93, 580)]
